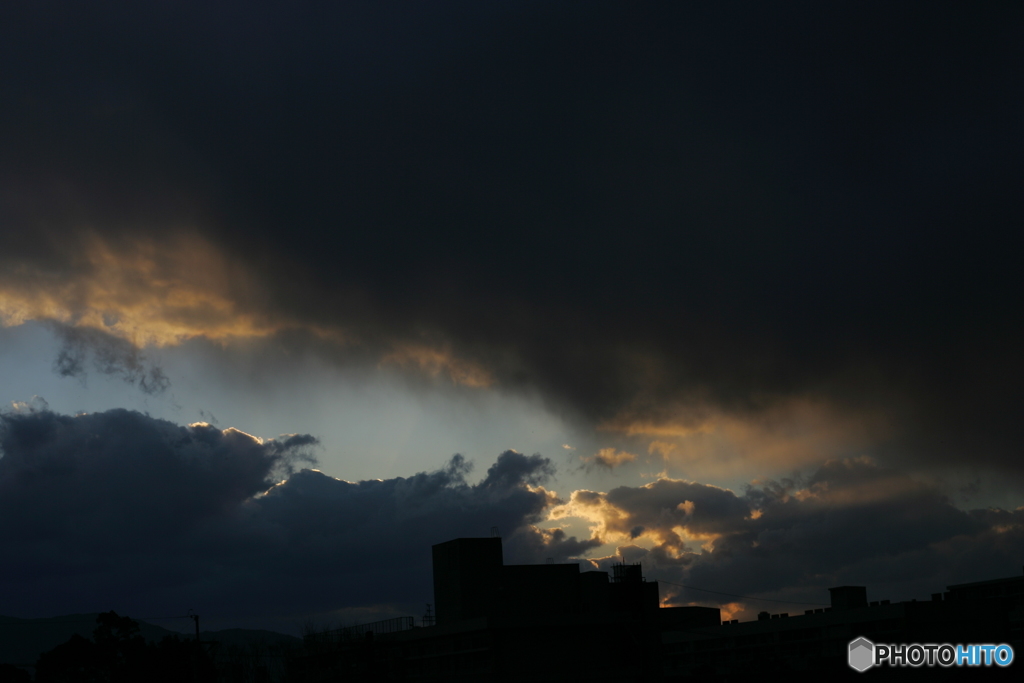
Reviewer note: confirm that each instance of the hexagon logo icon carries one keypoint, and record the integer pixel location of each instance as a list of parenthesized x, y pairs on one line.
[(861, 654)]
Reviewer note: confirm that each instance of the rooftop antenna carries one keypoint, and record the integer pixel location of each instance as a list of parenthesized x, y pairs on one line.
[(494, 532), (428, 618)]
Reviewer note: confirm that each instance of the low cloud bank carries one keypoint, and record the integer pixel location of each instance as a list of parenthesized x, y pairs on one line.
[(848, 522), (119, 510)]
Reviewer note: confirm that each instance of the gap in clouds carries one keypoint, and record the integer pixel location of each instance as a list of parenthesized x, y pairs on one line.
[(374, 422)]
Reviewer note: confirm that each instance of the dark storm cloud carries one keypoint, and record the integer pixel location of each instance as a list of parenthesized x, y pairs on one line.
[(851, 522), (634, 210), (514, 468), (120, 510), (120, 477)]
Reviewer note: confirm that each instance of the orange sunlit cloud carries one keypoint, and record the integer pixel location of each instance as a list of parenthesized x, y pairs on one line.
[(436, 362), (614, 523), (647, 427), (149, 293), (789, 434), (154, 293), (732, 610), (884, 486)]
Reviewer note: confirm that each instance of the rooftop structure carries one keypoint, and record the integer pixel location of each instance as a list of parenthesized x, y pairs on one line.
[(471, 581), (552, 622)]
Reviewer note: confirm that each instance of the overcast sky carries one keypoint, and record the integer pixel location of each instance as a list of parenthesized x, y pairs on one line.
[(290, 292)]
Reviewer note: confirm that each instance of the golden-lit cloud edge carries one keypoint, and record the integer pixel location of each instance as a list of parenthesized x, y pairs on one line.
[(156, 293), (686, 527), (787, 433), (437, 362), (147, 292)]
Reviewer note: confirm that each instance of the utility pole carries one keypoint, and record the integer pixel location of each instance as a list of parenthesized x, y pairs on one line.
[(195, 655), (195, 618)]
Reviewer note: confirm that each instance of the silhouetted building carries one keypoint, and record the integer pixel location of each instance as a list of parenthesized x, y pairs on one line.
[(467, 572), (849, 597), (1007, 593), (498, 622), (816, 642), (471, 580), (551, 622)]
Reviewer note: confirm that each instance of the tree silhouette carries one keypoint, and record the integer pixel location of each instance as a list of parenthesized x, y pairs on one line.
[(119, 654)]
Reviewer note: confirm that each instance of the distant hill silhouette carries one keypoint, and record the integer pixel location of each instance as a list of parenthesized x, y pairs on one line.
[(23, 640)]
